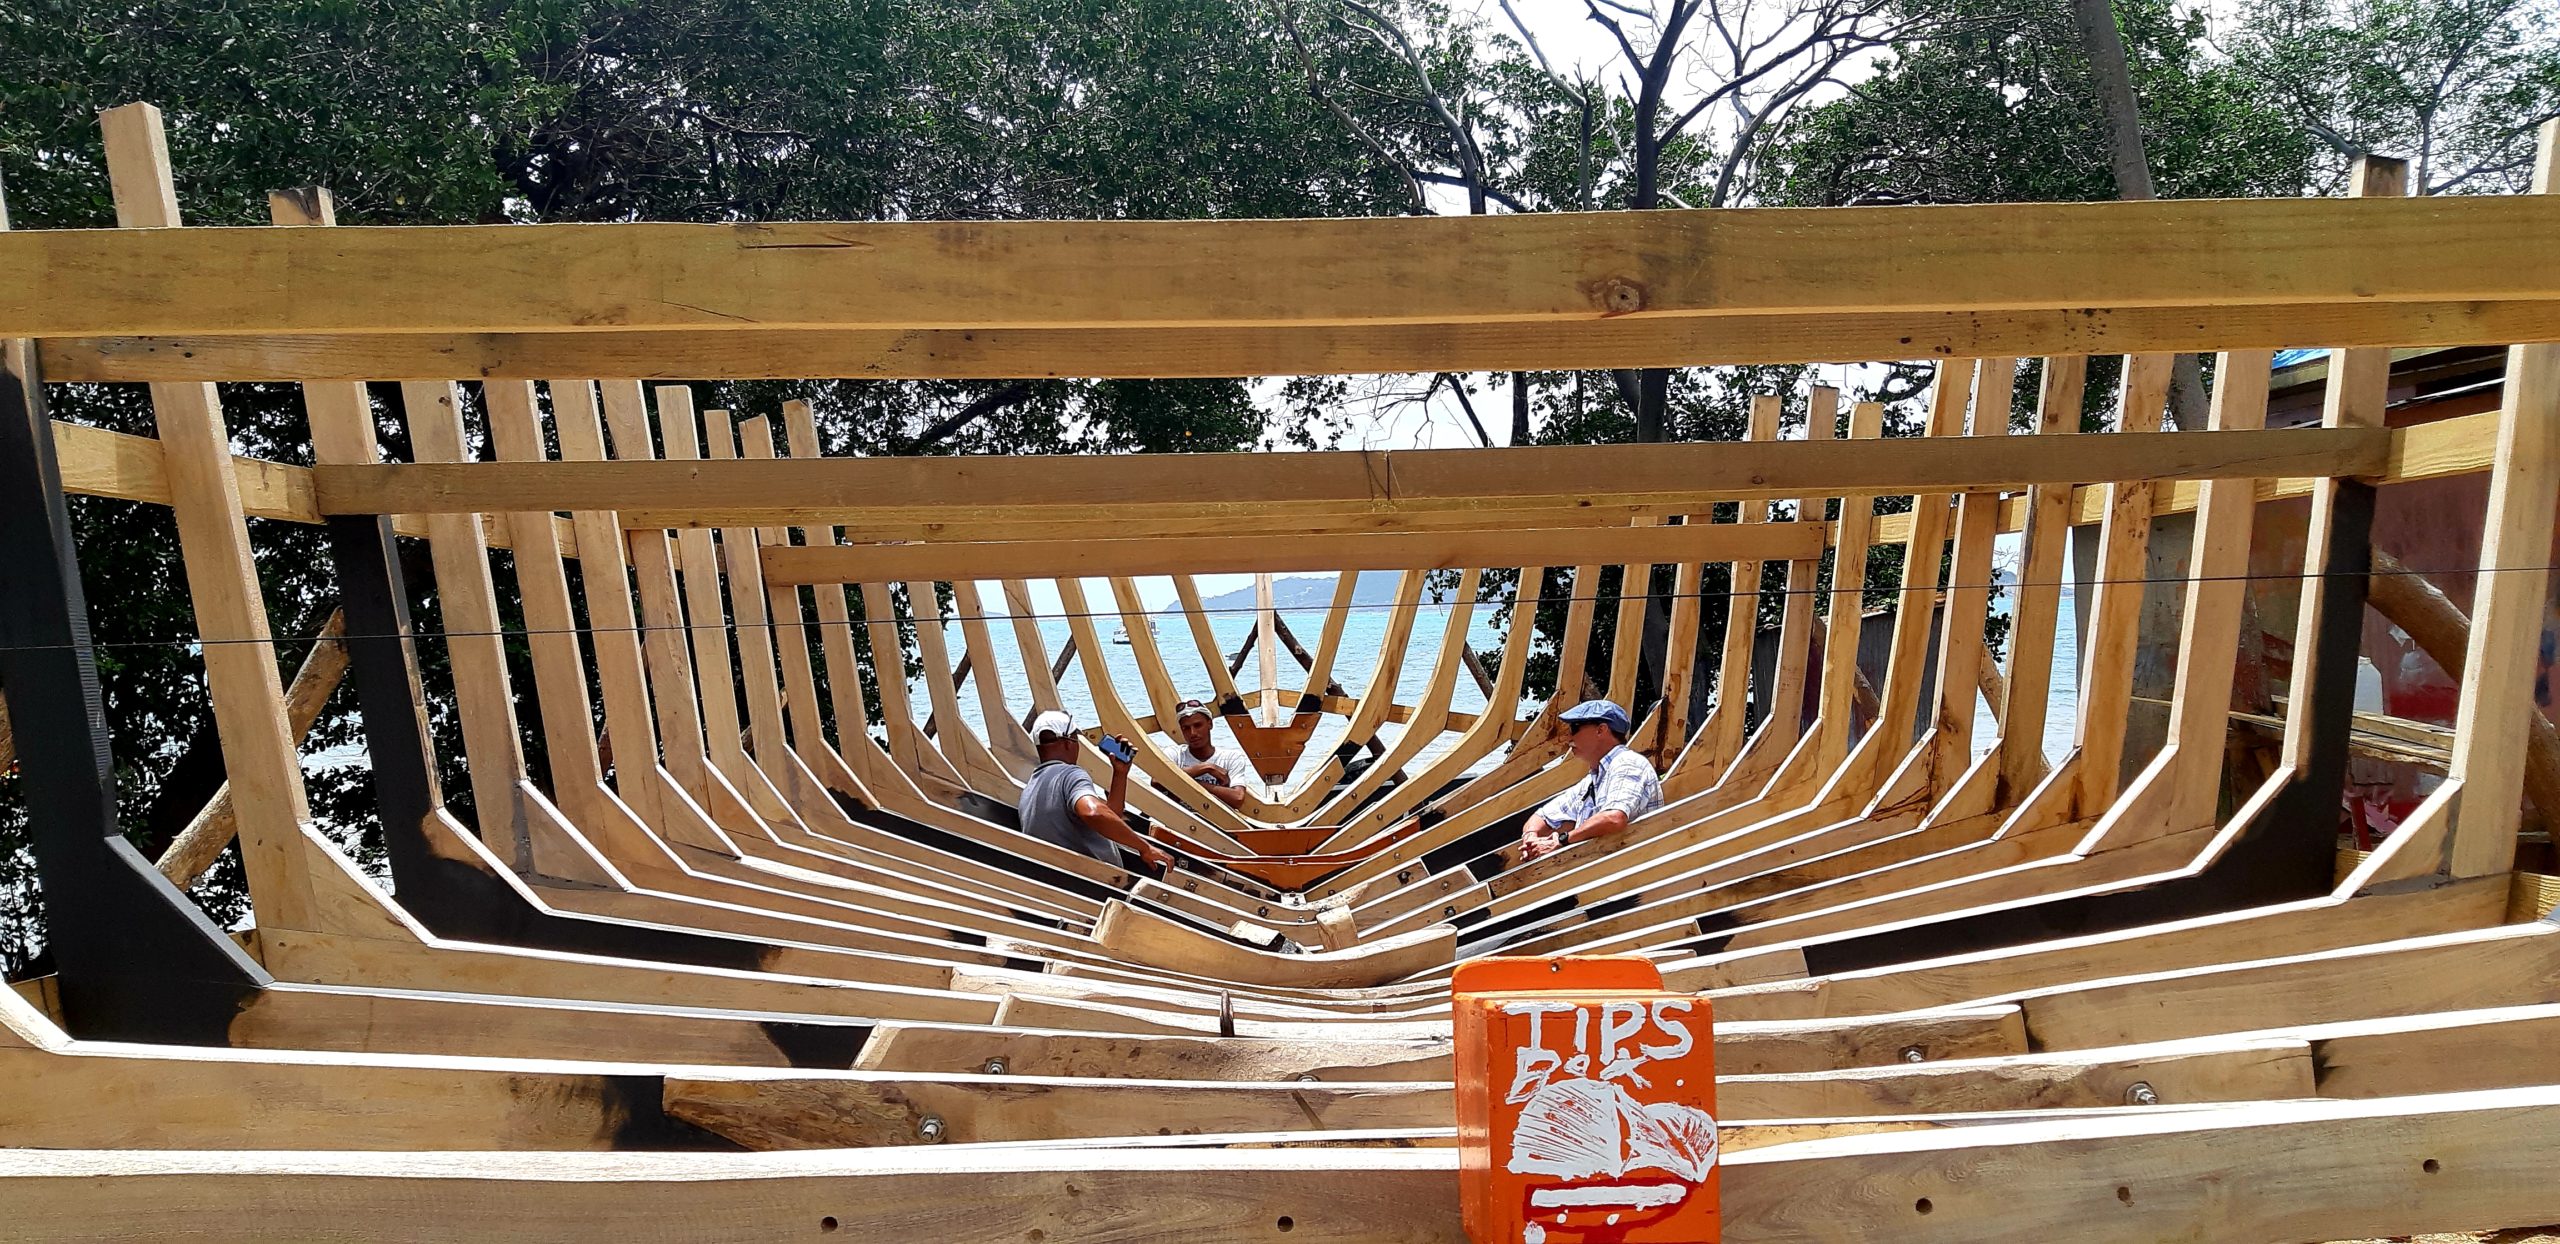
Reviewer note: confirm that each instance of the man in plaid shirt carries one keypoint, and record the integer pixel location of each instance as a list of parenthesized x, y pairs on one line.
[(1621, 787)]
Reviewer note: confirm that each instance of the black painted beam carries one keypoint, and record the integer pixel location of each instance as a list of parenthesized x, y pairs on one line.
[(138, 960)]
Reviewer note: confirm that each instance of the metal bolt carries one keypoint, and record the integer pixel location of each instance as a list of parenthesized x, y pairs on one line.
[(2141, 1094), (929, 1129), (1449, 911), (1192, 886), (1308, 1077), (1404, 877), (1912, 1054), (995, 1067), (1263, 910)]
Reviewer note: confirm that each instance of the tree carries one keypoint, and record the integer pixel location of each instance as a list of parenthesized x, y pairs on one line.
[(2456, 87), (1744, 65), (434, 111)]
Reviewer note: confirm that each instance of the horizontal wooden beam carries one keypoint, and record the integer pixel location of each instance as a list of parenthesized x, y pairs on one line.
[(1578, 266), (1435, 550), (1334, 349), (2322, 1170), (1291, 487), (97, 462), (2462, 445)]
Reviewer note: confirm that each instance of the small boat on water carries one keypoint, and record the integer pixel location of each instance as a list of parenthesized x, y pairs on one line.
[(1121, 636)]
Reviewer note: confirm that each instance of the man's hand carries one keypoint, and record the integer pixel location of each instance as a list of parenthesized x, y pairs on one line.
[(1213, 775), (1156, 857), (1119, 764), (1534, 845)]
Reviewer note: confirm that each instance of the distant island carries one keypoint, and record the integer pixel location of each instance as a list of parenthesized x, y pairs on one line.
[(1304, 592)]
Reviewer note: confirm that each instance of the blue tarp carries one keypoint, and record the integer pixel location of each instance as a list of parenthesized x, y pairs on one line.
[(2287, 358)]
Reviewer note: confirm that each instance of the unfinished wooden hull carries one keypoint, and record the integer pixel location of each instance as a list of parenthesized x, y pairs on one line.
[(1963, 990)]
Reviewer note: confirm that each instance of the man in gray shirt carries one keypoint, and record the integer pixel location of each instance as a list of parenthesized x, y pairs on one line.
[(1063, 805)]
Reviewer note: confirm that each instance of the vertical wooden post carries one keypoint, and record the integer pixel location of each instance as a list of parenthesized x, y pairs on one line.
[(2508, 608), (1267, 637), (135, 959), (2298, 820), (381, 653), (222, 580)]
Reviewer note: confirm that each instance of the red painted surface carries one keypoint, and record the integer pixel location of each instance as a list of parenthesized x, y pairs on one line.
[(1586, 1104)]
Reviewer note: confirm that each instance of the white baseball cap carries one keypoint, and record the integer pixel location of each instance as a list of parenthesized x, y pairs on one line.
[(1054, 724)]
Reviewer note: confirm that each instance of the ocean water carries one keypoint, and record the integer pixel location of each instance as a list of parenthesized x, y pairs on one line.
[(1364, 636)]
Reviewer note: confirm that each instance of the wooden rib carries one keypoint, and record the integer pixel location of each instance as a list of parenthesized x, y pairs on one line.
[(2038, 609), (2179, 789), (2474, 831), (1430, 716), (2114, 629), (1222, 687), (259, 757), (468, 598), (1723, 732), (1961, 653)]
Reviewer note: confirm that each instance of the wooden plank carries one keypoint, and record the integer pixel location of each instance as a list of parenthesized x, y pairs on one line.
[(1568, 268), (258, 749), (2315, 1170), (2286, 929), (206, 837), (1142, 937), (2114, 630), (829, 1110), (1725, 724), (484, 699), (2509, 605), (2038, 609), (2180, 789), (1961, 654), (1017, 353), (1220, 554), (1297, 485)]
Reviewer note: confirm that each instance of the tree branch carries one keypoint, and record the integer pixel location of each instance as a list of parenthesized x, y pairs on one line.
[(1012, 394)]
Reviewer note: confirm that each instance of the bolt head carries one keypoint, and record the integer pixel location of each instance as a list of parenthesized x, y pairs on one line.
[(995, 1066), (929, 1129)]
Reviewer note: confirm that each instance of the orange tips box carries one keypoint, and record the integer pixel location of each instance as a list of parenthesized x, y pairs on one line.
[(1586, 1104)]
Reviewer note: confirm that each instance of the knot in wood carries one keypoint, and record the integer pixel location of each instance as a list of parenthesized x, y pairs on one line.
[(1618, 296)]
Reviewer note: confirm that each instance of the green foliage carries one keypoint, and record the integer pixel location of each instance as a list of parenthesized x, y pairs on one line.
[(438, 112), (2006, 112), (2456, 87)]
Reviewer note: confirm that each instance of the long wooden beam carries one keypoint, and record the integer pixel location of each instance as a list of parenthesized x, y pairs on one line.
[(2314, 1170), (2462, 445), (1213, 554), (1018, 353), (655, 494), (1562, 267)]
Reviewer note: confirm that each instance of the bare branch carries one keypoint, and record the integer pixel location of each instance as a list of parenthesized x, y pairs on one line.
[(1315, 88), (1616, 31), (1571, 91)]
